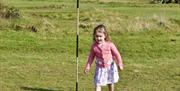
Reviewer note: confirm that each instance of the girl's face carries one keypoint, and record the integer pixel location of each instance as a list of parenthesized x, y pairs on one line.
[(99, 37)]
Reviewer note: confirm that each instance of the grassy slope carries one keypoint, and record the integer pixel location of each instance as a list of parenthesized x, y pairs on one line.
[(46, 60)]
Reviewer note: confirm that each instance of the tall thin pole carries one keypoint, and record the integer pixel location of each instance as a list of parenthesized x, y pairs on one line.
[(77, 38)]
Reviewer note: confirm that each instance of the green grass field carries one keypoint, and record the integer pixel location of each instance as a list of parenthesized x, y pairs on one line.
[(147, 36)]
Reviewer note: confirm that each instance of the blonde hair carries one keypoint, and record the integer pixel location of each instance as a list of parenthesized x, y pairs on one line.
[(102, 29)]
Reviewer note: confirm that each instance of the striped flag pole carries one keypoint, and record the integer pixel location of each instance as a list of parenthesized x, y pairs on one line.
[(77, 38)]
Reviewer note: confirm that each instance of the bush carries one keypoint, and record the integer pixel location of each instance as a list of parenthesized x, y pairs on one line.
[(12, 13), (9, 12), (165, 1)]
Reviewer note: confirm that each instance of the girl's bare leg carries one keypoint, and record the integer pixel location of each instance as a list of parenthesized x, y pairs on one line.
[(111, 87), (98, 88)]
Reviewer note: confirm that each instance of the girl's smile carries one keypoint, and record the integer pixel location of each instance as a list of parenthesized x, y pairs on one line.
[(100, 37)]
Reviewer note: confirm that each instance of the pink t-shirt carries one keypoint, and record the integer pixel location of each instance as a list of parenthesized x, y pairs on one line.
[(104, 52)]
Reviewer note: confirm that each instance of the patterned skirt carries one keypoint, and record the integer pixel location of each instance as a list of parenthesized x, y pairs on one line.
[(107, 75)]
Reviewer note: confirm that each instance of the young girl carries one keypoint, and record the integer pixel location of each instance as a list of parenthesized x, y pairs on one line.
[(107, 56)]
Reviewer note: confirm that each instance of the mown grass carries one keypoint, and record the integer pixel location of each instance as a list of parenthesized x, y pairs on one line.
[(45, 61)]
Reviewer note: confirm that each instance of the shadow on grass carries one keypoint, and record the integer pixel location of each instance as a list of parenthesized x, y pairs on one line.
[(37, 89)]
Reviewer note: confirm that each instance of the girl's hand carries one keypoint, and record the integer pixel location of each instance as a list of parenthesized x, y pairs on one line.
[(120, 67), (86, 71)]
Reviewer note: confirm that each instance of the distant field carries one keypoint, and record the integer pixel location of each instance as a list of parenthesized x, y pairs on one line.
[(147, 36)]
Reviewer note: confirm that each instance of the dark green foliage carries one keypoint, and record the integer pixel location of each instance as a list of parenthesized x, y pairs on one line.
[(165, 1), (12, 13), (9, 12)]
